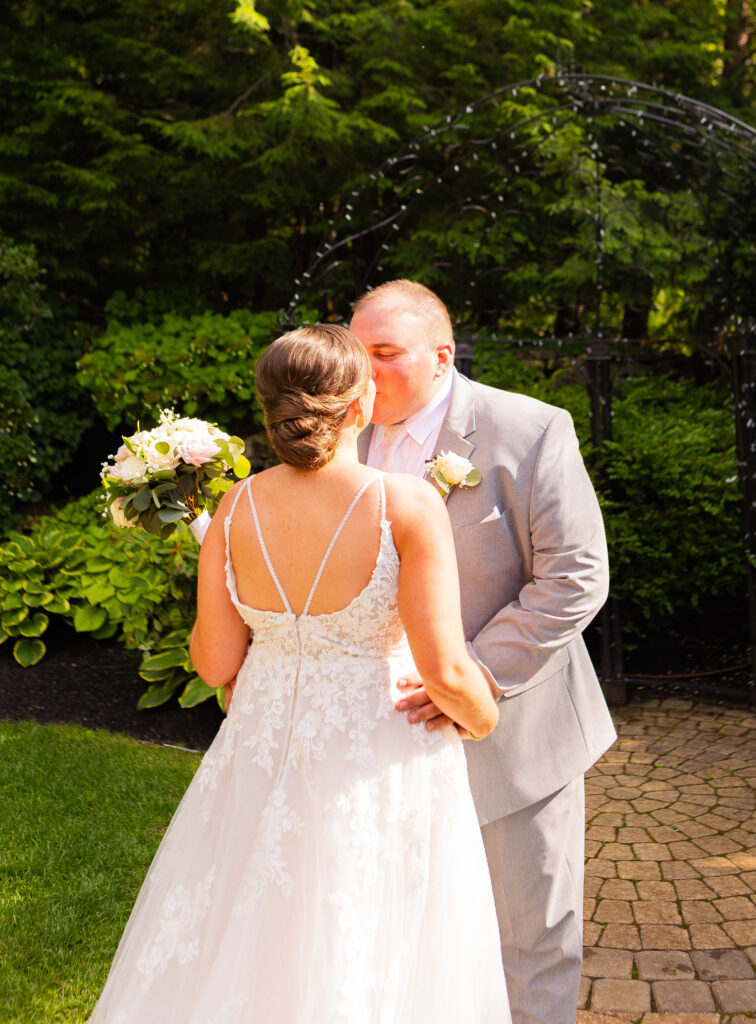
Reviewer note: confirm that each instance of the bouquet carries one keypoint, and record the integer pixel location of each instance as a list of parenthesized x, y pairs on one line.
[(174, 472)]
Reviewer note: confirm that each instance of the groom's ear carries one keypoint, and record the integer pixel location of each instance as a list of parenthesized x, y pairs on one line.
[(445, 357)]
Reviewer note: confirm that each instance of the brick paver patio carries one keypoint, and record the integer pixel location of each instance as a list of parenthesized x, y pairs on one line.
[(670, 884)]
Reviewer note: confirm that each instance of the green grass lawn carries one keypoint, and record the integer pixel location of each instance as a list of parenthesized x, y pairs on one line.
[(81, 815)]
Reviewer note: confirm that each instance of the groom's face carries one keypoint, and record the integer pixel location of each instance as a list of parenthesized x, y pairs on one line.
[(407, 367)]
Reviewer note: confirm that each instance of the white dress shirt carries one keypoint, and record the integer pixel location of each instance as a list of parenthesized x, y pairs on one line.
[(421, 432)]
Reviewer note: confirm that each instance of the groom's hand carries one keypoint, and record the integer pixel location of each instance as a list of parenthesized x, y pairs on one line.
[(419, 705)]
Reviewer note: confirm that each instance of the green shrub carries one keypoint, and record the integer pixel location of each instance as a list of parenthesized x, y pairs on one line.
[(109, 582), (43, 410), (667, 482), (671, 499), (203, 365)]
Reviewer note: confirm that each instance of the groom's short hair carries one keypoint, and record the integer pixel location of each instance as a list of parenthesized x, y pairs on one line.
[(413, 299)]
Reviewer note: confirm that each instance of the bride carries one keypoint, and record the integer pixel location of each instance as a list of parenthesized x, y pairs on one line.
[(325, 864)]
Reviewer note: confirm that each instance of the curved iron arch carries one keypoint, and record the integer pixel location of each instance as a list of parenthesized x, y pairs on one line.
[(700, 150), (699, 137)]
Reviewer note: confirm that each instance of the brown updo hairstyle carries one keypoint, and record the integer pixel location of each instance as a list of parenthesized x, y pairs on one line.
[(306, 380)]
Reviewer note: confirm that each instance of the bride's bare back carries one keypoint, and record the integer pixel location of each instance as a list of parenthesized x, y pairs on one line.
[(299, 514)]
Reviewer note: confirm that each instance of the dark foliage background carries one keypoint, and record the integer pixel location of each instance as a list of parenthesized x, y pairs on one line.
[(169, 171)]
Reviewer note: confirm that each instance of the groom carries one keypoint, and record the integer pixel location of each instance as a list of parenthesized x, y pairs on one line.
[(533, 573)]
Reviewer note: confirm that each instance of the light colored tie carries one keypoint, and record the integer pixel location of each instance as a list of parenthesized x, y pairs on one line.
[(391, 448)]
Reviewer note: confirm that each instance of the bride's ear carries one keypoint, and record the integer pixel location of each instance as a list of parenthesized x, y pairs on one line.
[(356, 416)]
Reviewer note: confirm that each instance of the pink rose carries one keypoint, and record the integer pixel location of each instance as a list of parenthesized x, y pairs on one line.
[(197, 450)]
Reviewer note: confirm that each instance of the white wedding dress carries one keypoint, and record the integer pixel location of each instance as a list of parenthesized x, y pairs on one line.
[(325, 865)]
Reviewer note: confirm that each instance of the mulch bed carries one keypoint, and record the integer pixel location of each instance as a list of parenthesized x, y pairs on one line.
[(95, 684)]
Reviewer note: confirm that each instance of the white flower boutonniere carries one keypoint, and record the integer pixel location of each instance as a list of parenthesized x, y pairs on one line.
[(450, 470)]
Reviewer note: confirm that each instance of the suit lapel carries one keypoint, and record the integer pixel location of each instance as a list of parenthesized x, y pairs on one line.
[(458, 423)]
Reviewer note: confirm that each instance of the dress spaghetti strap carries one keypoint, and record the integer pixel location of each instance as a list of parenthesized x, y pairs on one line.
[(331, 546)]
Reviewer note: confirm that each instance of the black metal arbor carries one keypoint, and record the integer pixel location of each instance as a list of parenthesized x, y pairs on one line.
[(553, 213)]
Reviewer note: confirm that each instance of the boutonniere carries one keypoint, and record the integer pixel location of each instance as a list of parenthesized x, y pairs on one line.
[(450, 470)]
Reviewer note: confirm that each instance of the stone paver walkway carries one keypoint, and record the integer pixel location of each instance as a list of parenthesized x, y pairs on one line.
[(670, 885)]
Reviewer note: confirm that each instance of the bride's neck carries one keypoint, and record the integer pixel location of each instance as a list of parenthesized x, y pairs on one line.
[(344, 459)]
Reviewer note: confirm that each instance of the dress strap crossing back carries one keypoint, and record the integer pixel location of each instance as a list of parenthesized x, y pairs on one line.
[(335, 537), (264, 550), (331, 546)]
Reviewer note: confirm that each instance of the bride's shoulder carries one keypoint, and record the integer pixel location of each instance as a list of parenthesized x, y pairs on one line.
[(410, 499)]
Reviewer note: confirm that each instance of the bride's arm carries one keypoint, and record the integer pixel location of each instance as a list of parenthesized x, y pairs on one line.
[(220, 637), (429, 606)]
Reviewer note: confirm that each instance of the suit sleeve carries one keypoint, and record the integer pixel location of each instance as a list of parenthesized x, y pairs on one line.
[(525, 641)]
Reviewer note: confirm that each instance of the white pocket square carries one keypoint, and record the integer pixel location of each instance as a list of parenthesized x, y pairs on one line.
[(492, 515)]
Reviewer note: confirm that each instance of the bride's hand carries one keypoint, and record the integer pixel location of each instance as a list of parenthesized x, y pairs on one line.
[(419, 705)]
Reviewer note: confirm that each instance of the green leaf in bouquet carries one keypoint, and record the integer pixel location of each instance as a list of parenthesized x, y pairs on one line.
[(242, 467), (171, 515), (29, 652), (13, 617), (152, 524), (158, 666), (195, 692), (185, 479), (220, 696), (441, 480), (129, 445), (58, 606), (3, 636), (87, 618), (163, 447), (11, 601), (158, 694), (35, 625), (164, 474), (142, 499), (167, 487)]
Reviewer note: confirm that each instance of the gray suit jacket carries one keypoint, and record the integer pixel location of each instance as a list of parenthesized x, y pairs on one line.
[(533, 573)]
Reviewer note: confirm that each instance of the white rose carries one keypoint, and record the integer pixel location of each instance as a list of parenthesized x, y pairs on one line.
[(157, 461), (132, 470), (453, 467), (116, 512)]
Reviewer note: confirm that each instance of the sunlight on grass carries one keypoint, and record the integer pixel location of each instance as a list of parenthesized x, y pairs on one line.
[(81, 815)]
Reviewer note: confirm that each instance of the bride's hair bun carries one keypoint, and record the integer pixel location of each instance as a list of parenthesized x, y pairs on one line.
[(306, 380)]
